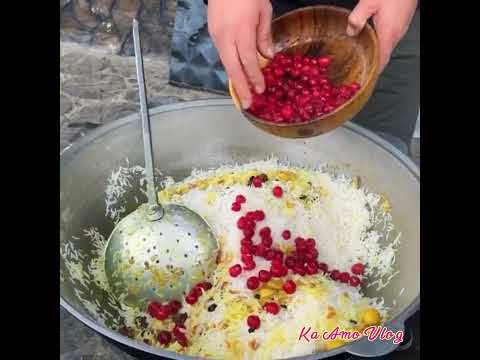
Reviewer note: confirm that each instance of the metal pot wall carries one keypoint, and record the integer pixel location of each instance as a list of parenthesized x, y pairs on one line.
[(205, 134)]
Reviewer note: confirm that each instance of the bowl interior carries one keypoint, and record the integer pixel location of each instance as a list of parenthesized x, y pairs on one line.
[(321, 30), (205, 135)]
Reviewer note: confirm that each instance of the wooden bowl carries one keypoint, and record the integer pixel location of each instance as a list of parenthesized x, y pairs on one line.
[(321, 30)]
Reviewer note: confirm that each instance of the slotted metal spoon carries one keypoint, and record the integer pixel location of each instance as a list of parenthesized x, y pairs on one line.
[(156, 253)]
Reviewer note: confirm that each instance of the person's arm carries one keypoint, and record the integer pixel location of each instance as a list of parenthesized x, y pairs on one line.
[(391, 19), (239, 29)]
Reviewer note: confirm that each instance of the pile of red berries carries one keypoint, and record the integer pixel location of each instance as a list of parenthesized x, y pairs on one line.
[(163, 311), (298, 90), (165, 337), (197, 291), (302, 261)]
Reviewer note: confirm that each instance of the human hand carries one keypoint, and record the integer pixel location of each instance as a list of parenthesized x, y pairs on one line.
[(239, 29), (391, 19)]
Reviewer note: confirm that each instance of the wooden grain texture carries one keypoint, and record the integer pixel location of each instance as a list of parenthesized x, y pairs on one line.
[(320, 30)]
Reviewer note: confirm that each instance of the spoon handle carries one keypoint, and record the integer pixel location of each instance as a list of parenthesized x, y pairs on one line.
[(156, 210)]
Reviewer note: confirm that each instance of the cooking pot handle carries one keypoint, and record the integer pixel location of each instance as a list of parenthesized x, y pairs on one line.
[(377, 347)]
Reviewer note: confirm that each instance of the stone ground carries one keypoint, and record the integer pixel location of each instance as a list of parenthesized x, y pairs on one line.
[(79, 342), (98, 87)]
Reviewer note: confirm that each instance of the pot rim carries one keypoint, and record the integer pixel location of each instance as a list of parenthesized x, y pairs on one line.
[(361, 347)]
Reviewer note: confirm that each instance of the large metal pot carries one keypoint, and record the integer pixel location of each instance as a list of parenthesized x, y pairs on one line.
[(204, 134)]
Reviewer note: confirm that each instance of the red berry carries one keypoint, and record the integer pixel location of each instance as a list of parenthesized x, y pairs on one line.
[(279, 56), (249, 224), (289, 286), (311, 254), (298, 269), (164, 337), (277, 191), (260, 250), (314, 72), (265, 231), (264, 275), (191, 299), (277, 271), (246, 258), (310, 243), (344, 277), (163, 312), (253, 282), (249, 265), (240, 199), (278, 71), (296, 73), (257, 182), (197, 291), (205, 285), (354, 281), (278, 255), (269, 254), (236, 207), (178, 330), (272, 308), (182, 340), (300, 242), (358, 269), (289, 262), (250, 215), (324, 61), (248, 233), (241, 223), (355, 86), (335, 274), (179, 333), (153, 309), (269, 81), (279, 94), (246, 242), (259, 215), (328, 109), (286, 234), (253, 322), (323, 267), (235, 270), (311, 268), (276, 263), (246, 249), (287, 112), (175, 305), (267, 241)]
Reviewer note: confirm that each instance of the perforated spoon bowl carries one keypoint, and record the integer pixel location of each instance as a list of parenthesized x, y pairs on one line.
[(156, 253)]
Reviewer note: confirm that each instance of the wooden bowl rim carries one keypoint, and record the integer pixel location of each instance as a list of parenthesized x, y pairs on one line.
[(372, 75)]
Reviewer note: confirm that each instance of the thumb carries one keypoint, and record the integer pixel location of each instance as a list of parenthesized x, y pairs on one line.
[(359, 17), (264, 33)]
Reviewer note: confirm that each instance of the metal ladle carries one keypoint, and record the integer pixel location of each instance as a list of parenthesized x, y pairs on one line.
[(156, 253)]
